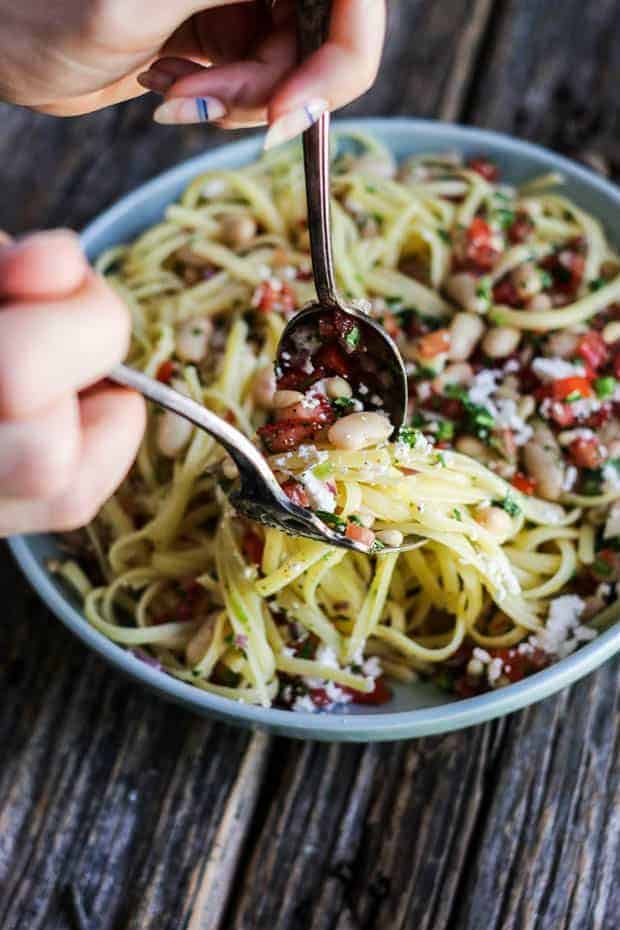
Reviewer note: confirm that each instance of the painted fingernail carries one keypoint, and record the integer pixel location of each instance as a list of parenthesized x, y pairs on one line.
[(292, 124), (189, 110), (157, 81)]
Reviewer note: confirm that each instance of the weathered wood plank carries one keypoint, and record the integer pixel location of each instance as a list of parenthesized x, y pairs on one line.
[(512, 825)]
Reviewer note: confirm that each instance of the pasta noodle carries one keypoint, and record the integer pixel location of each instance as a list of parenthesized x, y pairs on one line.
[(168, 569)]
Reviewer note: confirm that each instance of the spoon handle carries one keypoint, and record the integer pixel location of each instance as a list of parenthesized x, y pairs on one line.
[(312, 25)]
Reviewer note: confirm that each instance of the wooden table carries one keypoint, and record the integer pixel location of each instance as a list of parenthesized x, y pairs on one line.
[(163, 821)]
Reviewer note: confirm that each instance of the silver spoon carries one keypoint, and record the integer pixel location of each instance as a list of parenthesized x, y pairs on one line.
[(259, 496), (388, 370)]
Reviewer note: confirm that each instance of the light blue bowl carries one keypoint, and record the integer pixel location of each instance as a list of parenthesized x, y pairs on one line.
[(416, 710)]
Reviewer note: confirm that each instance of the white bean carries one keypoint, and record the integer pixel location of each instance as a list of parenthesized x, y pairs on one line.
[(459, 373), (192, 339), (611, 332), (526, 406), (527, 280), (495, 521), (282, 399), (264, 386), (173, 431), (543, 463), (469, 445), (465, 331), (562, 344), (501, 341), (360, 430), (338, 387), (237, 229), (390, 537)]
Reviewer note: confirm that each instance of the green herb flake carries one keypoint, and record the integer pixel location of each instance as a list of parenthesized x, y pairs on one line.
[(596, 284), (456, 513), (440, 459), (546, 279), (353, 518), (510, 505), (573, 396), (409, 436), (343, 405), (601, 567), (332, 519), (483, 291), (353, 337), (445, 431), (322, 471), (445, 236), (605, 387)]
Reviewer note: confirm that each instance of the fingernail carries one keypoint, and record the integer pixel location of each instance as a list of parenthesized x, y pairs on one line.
[(189, 110), (157, 81), (292, 124)]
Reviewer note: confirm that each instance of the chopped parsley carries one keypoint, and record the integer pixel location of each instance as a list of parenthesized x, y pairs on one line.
[(510, 505), (573, 396), (445, 431), (353, 337), (440, 459), (343, 405), (504, 217), (478, 419), (456, 513), (596, 284), (483, 291), (332, 519), (353, 518), (410, 436), (546, 279), (445, 236), (377, 546), (601, 567), (605, 387)]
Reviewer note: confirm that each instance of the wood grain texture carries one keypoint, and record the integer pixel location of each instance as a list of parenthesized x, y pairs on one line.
[(163, 821)]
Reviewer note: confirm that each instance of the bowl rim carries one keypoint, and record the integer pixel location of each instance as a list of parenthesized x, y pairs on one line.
[(391, 725)]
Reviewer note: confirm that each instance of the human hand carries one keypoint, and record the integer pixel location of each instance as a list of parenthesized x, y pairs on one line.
[(233, 63), (62, 329)]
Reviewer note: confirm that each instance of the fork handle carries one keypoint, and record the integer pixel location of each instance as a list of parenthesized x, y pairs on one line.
[(313, 18), (252, 465)]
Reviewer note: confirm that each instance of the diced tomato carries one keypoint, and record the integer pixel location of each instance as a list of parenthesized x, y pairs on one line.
[(390, 325), (600, 416), (296, 493), (586, 453), (506, 293), (315, 408), (520, 229), (593, 350), (319, 697), (574, 263), (360, 534), (516, 665), (380, 695), (617, 365), (433, 343), (286, 435), (296, 379), (271, 299), (480, 250), (253, 546), (165, 371), (524, 484), (327, 330), (333, 359), (564, 387), (485, 168), (606, 565)]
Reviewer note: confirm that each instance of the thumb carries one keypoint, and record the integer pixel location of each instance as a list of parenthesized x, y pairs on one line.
[(41, 265)]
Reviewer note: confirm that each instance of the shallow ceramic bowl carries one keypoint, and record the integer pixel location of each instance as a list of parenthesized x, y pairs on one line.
[(419, 709)]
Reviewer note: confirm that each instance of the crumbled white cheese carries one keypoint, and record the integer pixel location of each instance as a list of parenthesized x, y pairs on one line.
[(371, 667), (504, 409), (566, 437), (558, 637), (494, 670), (336, 695), (584, 408), (553, 369), (326, 656), (481, 654), (304, 703), (214, 187), (319, 492), (483, 386), (424, 390)]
